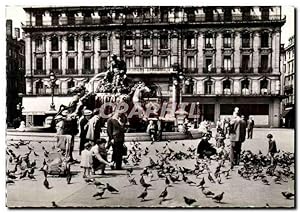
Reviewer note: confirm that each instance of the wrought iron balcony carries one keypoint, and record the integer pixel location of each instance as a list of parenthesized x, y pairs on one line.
[(212, 70), (39, 72), (265, 69), (227, 70), (246, 69), (71, 71)]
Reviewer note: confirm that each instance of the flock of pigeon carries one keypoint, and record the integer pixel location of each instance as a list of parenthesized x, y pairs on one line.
[(165, 168)]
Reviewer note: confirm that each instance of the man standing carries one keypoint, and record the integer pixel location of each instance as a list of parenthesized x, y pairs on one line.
[(83, 125), (250, 127), (237, 137), (94, 127), (116, 135)]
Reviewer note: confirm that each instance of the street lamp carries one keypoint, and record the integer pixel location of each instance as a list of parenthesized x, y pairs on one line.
[(52, 86)]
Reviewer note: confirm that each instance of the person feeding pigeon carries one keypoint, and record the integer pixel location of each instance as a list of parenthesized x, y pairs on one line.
[(272, 147), (205, 148)]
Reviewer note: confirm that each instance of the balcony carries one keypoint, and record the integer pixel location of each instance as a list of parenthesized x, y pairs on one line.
[(57, 71), (227, 70), (212, 70), (88, 71), (246, 69), (150, 70), (71, 71), (288, 89), (39, 72), (190, 70), (264, 69)]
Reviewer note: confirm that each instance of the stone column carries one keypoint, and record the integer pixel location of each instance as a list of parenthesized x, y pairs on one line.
[(116, 37), (200, 59), (237, 52), (256, 46), (64, 54), (217, 111), (276, 51), (255, 87), (47, 61), (28, 53), (236, 87), (218, 87), (218, 52), (174, 48), (80, 55), (96, 53)]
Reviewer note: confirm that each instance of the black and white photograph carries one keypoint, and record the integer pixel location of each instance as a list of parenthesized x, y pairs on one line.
[(150, 106)]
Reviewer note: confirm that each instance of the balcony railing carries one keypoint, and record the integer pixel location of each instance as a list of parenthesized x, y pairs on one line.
[(57, 71), (39, 72), (246, 69), (150, 70), (71, 71), (227, 70), (154, 19), (190, 70), (264, 70), (212, 70), (88, 71)]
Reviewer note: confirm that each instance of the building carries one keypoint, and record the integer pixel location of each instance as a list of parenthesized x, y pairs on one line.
[(288, 81), (15, 74), (229, 55)]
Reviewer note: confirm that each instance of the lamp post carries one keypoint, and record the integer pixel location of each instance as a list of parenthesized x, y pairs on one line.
[(52, 86)]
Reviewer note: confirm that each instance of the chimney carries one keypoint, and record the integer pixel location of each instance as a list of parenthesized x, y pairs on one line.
[(9, 28)]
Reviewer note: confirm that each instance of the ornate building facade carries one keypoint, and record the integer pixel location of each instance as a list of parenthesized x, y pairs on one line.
[(288, 81), (15, 72), (229, 55)]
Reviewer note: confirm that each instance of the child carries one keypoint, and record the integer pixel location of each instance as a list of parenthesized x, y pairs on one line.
[(99, 156), (220, 137), (86, 160), (272, 147), (151, 130)]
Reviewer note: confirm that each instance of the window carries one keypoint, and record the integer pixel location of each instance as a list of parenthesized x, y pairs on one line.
[(227, 62), (265, 14), (190, 42), (227, 14), (39, 45), (54, 19), (264, 39), (264, 62), (208, 64), (245, 87), (208, 87), (103, 43), (189, 89), (71, 19), (71, 63), (246, 14), (246, 40), (245, 62), (128, 43), (39, 20), (146, 42), (264, 86), (87, 63), (190, 62), (129, 62), (146, 61), (54, 43), (164, 41), (226, 87), (208, 40), (103, 64), (209, 15), (39, 86), (39, 63), (54, 63), (191, 16), (164, 61), (227, 40), (164, 15), (71, 43), (87, 43), (87, 18)]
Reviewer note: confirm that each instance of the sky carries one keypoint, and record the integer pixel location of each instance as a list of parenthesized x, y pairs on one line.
[(17, 14)]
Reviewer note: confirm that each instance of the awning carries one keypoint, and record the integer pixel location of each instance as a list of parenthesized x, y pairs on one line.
[(39, 105), (286, 111)]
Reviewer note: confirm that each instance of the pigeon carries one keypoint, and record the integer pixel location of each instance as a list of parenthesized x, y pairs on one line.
[(288, 195), (35, 154), (146, 185), (207, 192), (110, 188), (24, 174), (98, 183), (167, 181), (218, 197), (89, 180), (132, 181), (9, 181), (46, 184), (11, 176), (69, 177), (54, 205), (202, 182), (130, 170), (210, 178), (164, 194), (100, 192), (31, 176), (189, 201), (143, 195)]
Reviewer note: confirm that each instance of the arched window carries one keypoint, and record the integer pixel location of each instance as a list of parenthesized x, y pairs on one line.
[(54, 43), (71, 43), (264, 86), (226, 87), (39, 88), (87, 43), (245, 87), (164, 40), (208, 87)]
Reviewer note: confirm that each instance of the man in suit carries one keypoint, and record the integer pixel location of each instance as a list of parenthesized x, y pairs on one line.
[(237, 137), (250, 127), (116, 135)]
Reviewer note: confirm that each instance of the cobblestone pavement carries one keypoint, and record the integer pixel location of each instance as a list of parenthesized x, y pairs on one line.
[(238, 192)]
